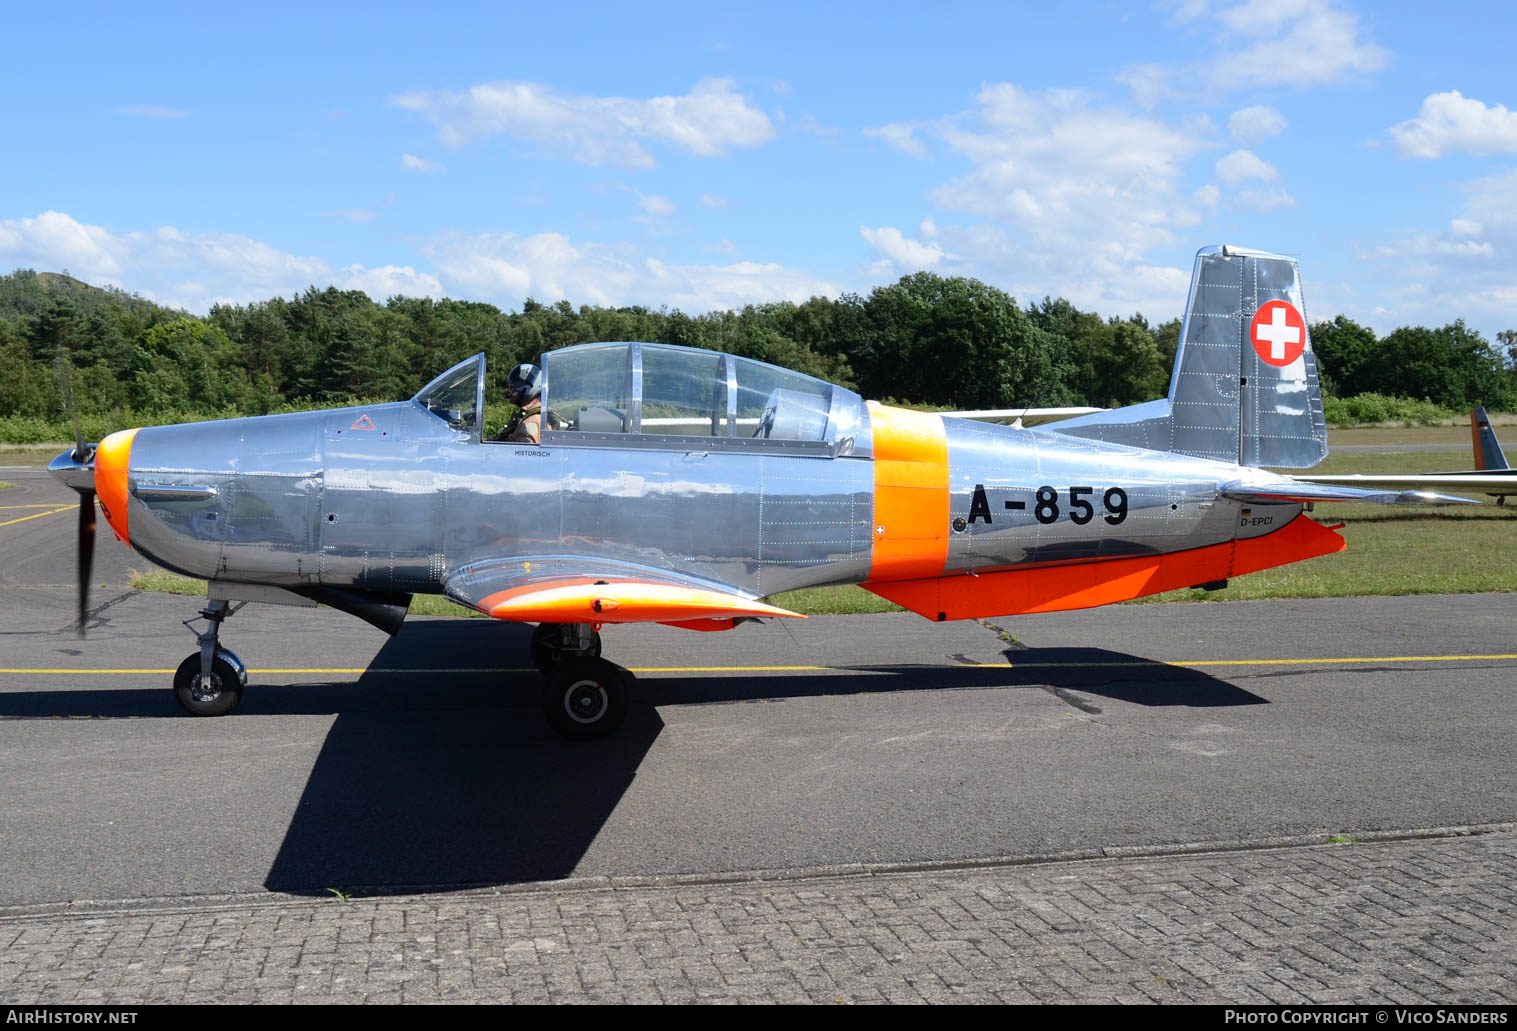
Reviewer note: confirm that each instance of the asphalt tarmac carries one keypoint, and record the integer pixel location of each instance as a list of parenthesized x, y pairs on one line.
[(365, 763)]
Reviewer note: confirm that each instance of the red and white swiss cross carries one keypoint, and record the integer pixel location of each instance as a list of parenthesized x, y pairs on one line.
[(1278, 333)]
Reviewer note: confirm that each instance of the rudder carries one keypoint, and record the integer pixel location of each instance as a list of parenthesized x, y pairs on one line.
[(1244, 387)]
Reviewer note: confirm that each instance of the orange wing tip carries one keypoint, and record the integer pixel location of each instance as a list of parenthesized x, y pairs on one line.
[(624, 602)]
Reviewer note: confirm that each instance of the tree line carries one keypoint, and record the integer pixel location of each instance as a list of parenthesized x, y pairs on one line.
[(926, 339)]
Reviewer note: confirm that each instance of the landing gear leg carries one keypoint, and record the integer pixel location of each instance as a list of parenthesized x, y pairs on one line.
[(209, 681), (585, 697), (555, 643)]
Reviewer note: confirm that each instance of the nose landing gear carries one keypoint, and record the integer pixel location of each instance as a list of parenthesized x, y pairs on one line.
[(209, 682)]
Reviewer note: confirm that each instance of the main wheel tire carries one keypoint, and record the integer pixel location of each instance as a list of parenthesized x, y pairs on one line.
[(215, 695), (548, 651), (586, 699)]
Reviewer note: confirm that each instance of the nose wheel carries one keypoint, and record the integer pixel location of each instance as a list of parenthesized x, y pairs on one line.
[(209, 681), (207, 694)]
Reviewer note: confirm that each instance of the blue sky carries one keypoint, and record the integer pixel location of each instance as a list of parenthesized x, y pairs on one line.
[(698, 157)]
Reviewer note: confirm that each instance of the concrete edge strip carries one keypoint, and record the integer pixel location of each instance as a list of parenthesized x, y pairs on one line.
[(84, 909)]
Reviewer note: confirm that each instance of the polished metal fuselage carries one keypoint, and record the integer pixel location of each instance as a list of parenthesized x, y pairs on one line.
[(390, 497)]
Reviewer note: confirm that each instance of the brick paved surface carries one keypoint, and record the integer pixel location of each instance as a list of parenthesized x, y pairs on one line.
[(1427, 920)]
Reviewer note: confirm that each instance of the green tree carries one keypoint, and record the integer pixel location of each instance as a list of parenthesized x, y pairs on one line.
[(1346, 354)]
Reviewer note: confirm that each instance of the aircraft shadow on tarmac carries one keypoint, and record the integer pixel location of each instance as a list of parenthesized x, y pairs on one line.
[(431, 780)]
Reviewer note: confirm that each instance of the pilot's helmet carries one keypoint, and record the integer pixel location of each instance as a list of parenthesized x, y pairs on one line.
[(524, 383)]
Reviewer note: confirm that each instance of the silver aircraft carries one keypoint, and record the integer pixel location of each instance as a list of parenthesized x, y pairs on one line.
[(685, 486)]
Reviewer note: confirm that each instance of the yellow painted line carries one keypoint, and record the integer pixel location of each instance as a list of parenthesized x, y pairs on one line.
[(1242, 662), (26, 506), (823, 669), (353, 670), (732, 669), (39, 515)]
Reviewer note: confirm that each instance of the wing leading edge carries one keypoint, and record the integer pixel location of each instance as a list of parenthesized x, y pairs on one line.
[(566, 589)]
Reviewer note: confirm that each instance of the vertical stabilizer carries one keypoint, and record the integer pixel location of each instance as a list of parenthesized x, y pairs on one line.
[(1488, 453), (1244, 387)]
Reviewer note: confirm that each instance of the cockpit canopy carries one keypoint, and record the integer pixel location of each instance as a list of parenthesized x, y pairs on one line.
[(652, 395), (644, 389)]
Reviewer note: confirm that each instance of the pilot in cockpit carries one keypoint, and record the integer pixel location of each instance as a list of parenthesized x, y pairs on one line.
[(524, 388)]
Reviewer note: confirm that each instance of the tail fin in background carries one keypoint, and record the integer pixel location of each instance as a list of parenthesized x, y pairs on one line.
[(1488, 453), (1244, 387)]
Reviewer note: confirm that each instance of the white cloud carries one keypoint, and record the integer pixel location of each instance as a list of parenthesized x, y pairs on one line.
[(388, 280), (903, 254), (151, 111), (412, 163), (596, 130), (1286, 43), (506, 268), (900, 136), (1251, 125), (1294, 43), (197, 270), (1150, 83), (1065, 171), (1064, 195), (654, 206), (711, 200), (190, 270), (1468, 270), (1450, 121), (1208, 195), (1242, 165), (1266, 199)]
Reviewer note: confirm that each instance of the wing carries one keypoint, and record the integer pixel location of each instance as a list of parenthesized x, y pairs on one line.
[(573, 589)]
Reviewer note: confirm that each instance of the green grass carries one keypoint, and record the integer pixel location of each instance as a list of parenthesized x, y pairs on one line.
[(1392, 549), (833, 601), (6, 484), (161, 581)]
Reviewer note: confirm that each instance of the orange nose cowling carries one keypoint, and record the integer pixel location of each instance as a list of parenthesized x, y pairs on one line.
[(112, 459)]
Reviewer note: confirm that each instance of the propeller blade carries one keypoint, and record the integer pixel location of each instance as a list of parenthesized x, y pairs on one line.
[(86, 552)]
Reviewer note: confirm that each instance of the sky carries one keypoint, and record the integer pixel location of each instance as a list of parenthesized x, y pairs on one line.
[(708, 156)]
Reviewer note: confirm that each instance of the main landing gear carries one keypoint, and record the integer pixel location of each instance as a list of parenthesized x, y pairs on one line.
[(209, 682), (585, 697)]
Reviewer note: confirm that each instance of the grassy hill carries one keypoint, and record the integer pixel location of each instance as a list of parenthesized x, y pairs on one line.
[(27, 292)]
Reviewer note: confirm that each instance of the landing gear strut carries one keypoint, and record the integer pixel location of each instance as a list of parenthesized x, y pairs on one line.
[(209, 682), (555, 643), (585, 697)]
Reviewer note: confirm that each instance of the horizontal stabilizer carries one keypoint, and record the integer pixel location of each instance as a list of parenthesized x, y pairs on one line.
[(1022, 417), (1496, 482), (1307, 493)]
